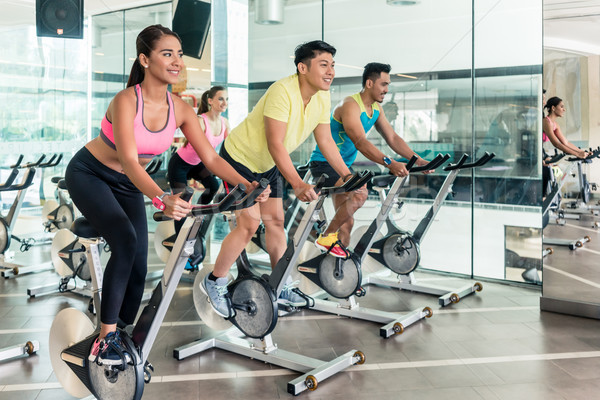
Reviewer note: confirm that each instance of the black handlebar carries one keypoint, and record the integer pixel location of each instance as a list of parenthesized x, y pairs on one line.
[(11, 178), (357, 181), (250, 198), (34, 164), (478, 163), (16, 165), (23, 185), (433, 164), (153, 166), (53, 162)]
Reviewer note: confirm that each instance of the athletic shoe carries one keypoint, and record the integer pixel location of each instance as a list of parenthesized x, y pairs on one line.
[(110, 351), (332, 245), (217, 295), (95, 350), (292, 296)]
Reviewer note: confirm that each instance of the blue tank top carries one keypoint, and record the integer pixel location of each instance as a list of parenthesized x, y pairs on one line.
[(345, 146)]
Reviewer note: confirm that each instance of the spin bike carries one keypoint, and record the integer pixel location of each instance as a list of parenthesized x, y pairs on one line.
[(70, 261), (72, 333), (342, 278), (399, 250), (255, 306), (29, 348), (552, 202), (9, 269)]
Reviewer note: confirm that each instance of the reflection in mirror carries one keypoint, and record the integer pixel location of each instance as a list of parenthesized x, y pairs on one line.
[(571, 70), (522, 258)]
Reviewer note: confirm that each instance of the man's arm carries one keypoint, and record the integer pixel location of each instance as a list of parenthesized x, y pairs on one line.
[(350, 118), (275, 132)]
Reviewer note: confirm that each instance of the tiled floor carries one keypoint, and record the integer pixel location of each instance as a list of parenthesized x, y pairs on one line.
[(493, 345)]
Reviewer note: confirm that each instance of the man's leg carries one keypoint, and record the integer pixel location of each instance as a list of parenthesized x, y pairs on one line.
[(275, 236), (346, 205), (247, 221)]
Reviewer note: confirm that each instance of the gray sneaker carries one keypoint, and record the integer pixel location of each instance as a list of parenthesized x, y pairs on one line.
[(217, 295), (291, 296)]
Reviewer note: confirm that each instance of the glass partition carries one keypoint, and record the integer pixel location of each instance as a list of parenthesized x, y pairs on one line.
[(458, 86), (113, 52), (43, 98)]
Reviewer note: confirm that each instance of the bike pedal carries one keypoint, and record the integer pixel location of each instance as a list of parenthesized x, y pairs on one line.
[(360, 292), (148, 369)]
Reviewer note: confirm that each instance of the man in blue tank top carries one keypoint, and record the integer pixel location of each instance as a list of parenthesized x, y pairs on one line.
[(351, 121)]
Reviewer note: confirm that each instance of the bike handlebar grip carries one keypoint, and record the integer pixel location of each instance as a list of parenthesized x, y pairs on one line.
[(11, 178), (362, 178), (320, 183), (436, 162), (35, 164), (231, 197), (26, 184), (187, 193), (60, 157), (460, 162), (250, 198), (411, 163), (47, 163), (18, 163)]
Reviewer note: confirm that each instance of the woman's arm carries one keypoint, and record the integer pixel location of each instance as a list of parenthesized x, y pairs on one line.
[(559, 141), (190, 126), (122, 112)]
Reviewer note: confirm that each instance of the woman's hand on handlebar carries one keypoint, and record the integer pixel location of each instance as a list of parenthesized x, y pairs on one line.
[(305, 192), (264, 196), (175, 207), (581, 153)]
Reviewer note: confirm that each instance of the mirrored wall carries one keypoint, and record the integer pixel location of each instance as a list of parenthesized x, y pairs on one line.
[(458, 86), (571, 235)]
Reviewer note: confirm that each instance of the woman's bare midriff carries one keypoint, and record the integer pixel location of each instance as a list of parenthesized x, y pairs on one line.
[(108, 156)]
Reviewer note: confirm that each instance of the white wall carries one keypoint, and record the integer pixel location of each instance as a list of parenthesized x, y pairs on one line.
[(508, 33)]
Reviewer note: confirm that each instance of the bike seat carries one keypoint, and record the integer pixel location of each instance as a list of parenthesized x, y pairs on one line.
[(61, 184), (56, 179), (383, 180), (82, 228)]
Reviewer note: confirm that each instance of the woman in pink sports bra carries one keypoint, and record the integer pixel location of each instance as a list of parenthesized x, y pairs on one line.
[(107, 181), (185, 164), (551, 130)]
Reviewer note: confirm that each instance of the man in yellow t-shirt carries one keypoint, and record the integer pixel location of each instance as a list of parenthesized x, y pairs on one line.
[(260, 147)]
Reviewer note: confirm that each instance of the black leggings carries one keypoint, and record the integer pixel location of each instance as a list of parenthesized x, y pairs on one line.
[(180, 171), (115, 208)]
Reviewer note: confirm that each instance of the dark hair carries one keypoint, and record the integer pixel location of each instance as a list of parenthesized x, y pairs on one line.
[(373, 71), (209, 94), (144, 44), (552, 102), (309, 50)]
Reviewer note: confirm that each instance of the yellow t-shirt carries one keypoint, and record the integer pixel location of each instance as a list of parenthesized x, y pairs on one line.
[(247, 142)]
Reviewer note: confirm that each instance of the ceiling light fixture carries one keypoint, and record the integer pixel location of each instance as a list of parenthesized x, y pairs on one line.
[(268, 12), (402, 2)]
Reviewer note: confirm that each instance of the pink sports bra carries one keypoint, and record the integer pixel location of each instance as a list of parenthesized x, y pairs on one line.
[(545, 137), (149, 143), (187, 152)]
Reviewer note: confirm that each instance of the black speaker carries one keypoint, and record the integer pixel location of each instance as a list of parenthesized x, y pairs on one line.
[(59, 18), (192, 23)]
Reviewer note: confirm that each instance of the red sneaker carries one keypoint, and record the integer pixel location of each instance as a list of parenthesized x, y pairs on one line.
[(332, 245)]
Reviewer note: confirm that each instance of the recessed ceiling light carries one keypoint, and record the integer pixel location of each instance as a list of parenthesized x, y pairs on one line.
[(402, 2)]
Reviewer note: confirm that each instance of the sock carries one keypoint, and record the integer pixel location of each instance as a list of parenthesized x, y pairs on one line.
[(212, 277)]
